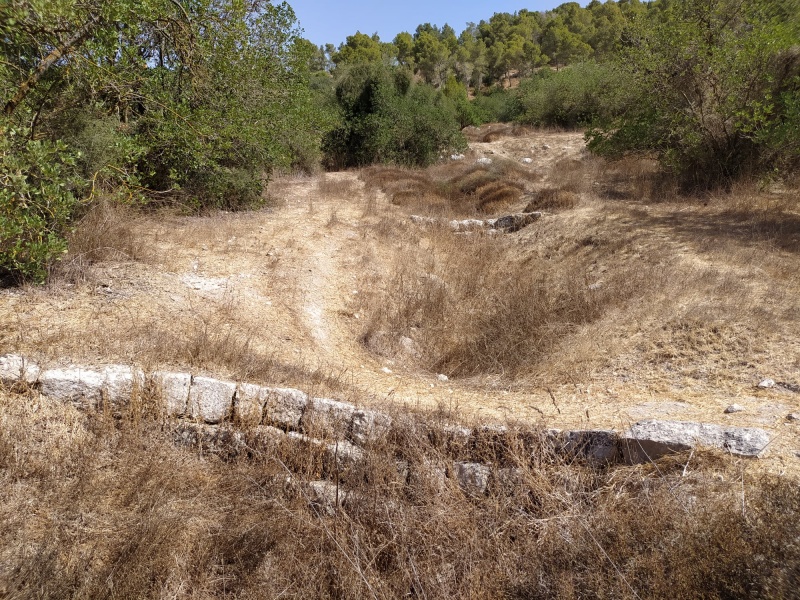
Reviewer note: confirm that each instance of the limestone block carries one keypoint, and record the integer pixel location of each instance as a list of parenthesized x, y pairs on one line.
[(120, 383), (15, 368), (648, 440), (368, 425), (73, 384), (473, 477), (285, 407), (174, 390), (249, 405), (210, 400), (327, 414)]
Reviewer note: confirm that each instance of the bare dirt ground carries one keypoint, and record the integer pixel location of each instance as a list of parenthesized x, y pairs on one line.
[(277, 296)]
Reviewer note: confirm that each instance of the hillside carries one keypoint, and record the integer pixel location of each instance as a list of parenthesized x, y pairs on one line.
[(640, 305)]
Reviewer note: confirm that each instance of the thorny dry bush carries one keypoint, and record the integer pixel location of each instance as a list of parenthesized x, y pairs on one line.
[(96, 507)]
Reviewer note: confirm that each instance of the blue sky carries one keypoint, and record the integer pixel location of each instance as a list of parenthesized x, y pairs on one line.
[(325, 21)]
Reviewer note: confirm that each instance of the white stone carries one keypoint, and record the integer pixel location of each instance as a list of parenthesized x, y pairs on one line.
[(442, 377), (387, 370), (793, 417), (285, 407), (467, 224), (367, 425), (211, 400), (734, 408), (174, 390), (766, 384), (73, 384), (527, 160), (648, 440), (456, 157), (121, 382), (15, 368), (343, 454), (329, 414), (483, 161), (473, 477), (419, 220), (249, 404)]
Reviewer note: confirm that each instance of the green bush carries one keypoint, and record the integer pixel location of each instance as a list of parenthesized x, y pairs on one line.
[(572, 97), (714, 91), (389, 119), (498, 106), (38, 198)]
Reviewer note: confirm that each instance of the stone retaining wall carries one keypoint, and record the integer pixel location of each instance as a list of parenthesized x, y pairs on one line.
[(203, 403)]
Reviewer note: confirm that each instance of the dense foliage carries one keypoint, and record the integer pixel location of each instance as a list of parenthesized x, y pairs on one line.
[(389, 118), (172, 101), (713, 90)]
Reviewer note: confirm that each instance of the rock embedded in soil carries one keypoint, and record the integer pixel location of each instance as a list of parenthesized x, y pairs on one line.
[(174, 390), (734, 408), (211, 400), (285, 407), (765, 384), (649, 440), (73, 384), (15, 368), (597, 446), (473, 477)]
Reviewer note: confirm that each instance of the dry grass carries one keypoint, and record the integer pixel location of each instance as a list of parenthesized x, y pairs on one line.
[(101, 508), (108, 232), (600, 284), (456, 188), (475, 305), (550, 198), (624, 282)]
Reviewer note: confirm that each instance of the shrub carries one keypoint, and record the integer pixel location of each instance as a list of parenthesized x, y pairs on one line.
[(499, 105), (572, 97), (389, 119), (38, 197), (714, 91)]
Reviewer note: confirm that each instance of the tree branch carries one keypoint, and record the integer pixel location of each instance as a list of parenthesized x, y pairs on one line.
[(48, 61)]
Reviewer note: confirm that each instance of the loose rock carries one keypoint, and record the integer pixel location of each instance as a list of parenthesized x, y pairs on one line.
[(648, 440), (765, 384), (734, 408)]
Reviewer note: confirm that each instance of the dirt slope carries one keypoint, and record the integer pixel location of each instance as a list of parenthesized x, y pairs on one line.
[(275, 296)]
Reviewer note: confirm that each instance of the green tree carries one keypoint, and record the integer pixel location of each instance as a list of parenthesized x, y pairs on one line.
[(431, 56), (183, 101), (405, 49), (389, 119), (714, 92), (358, 48), (563, 46)]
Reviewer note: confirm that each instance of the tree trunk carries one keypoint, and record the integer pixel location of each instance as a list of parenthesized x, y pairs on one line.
[(48, 61)]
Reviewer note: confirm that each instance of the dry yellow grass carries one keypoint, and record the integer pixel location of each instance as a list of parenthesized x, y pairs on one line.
[(94, 507), (626, 302)]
